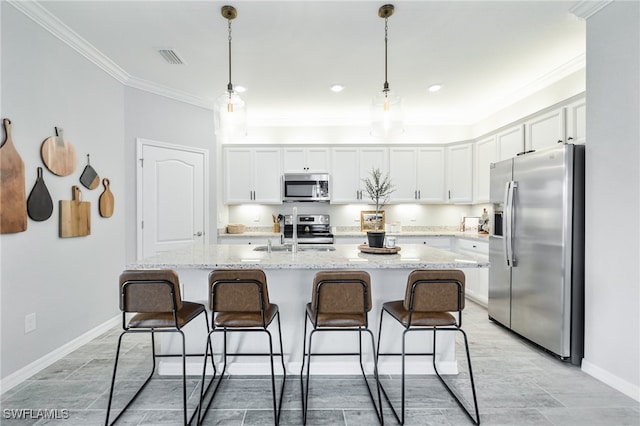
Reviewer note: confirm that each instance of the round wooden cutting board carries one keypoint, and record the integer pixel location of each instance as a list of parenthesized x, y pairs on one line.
[(58, 154), (378, 250)]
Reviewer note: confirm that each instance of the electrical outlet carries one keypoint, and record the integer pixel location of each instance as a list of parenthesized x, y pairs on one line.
[(256, 218), (29, 323)]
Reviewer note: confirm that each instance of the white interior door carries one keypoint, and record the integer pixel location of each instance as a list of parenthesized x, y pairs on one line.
[(172, 196)]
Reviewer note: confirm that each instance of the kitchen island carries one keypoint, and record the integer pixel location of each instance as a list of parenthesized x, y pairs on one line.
[(289, 277)]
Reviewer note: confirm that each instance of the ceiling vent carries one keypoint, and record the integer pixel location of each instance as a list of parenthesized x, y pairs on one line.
[(171, 56)]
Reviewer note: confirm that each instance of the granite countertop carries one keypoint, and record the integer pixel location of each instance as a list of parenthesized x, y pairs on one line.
[(345, 256), (338, 234)]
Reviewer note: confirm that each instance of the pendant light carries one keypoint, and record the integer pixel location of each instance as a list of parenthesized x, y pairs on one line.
[(230, 109), (386, 108)]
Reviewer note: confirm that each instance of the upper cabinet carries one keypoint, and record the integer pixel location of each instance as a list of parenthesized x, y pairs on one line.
[(576, 121), (247, 180), (305, 159), (460, 173), (510, 142), (349, 166), (486, 153), (544, 130), (438, 174), (418, 174)]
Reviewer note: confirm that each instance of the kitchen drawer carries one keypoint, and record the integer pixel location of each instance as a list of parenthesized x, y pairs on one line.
[(473, 246)]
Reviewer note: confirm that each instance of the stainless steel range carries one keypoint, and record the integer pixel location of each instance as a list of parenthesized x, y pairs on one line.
[(312, 229)]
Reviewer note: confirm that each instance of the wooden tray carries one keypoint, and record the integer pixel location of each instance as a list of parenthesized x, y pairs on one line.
[(378, 250)]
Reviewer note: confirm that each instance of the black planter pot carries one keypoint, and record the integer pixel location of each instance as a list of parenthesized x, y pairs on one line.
[(376, 238)]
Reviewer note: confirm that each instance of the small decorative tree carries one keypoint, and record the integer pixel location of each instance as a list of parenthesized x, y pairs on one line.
[(379, 189)]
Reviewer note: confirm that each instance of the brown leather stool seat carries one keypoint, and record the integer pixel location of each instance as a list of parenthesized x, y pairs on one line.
[(153, 297), (430, 298), (340, 301), (239, 301)]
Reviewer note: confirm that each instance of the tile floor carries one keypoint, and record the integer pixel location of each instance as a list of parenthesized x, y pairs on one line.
[(516, 383)]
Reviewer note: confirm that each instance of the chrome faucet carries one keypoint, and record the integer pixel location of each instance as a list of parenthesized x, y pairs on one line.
[(294, 222)]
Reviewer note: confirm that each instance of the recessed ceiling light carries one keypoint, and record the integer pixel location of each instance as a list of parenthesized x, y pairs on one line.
[(337, 88), (435, 87), (240, 89)]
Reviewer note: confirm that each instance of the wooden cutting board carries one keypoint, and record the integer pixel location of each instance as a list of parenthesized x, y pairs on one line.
[(13, 197), (58, 154), (105, 205), (39, 203), (75, 216), (89, 177), (378, 250)]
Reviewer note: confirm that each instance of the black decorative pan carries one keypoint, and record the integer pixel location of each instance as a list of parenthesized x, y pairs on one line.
[(39, 203)]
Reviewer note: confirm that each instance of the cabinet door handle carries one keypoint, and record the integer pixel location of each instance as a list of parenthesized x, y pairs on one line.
[(415, 195), (419, 195), (198, 234)]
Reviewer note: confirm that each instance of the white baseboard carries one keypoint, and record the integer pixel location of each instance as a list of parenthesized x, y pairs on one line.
[(14, 379), (619, 384)]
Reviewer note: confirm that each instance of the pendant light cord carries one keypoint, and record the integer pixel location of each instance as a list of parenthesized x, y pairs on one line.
[(386, 38), (230, 86)]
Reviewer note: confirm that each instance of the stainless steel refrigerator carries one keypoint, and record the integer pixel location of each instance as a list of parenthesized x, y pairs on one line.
[(536, 248)]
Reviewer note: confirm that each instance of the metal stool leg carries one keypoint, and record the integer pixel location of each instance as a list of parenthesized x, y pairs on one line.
[(475, 420), (113, 378)]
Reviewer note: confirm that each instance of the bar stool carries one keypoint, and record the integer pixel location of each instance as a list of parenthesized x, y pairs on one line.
[(431, 296), (153, 296), (239, 301), (340, 301)]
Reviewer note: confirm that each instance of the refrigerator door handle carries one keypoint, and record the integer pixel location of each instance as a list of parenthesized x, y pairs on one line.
[(509, 215), (506, 229)]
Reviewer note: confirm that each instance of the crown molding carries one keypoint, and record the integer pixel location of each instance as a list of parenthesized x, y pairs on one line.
[(585, 9), (168, 92), (41, 16)]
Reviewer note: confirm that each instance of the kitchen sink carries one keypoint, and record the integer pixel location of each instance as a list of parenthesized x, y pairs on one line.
[(300, 248)]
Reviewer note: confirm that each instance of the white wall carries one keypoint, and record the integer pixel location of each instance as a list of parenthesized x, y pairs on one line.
[(612, 328), (69, 283), (158, 118)]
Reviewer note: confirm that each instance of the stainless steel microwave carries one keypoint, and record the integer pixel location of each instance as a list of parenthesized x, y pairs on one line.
[(305, 187)]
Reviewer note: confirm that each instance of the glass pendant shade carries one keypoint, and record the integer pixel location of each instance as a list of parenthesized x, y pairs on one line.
[(386, 115), (231, 115)]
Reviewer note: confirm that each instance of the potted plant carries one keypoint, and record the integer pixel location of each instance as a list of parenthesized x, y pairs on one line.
[(378, 188)]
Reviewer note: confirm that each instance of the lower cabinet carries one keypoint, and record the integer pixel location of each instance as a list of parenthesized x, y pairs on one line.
[(477, 279), (249, 240), (440, 241)]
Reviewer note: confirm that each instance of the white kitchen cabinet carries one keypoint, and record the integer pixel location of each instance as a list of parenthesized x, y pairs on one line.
[(350, 239), (460, 173), (249, 240), (403, 170), (486, 153), (247, 180), (510, 142), (349, 166), (305, 159), (418, 174), (545, 130), (431, 174), (476, 279), (443, 242), (576, 122)]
